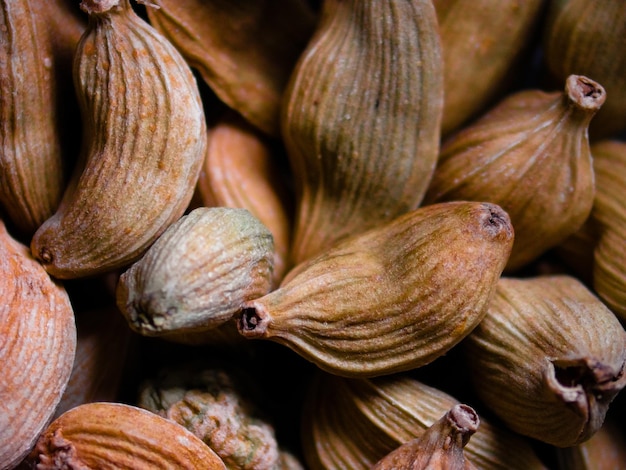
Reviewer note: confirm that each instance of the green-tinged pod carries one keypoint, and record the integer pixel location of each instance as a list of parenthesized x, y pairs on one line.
[(548, 358), (392, 298)]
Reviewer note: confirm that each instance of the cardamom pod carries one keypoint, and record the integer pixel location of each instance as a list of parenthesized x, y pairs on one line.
[(588, 38), (244, 51), (361, 118), (530, 155), (198, 274), (32, 170), (392, 298), (144, 142), (353, 423), (548, 358), (37, 348), (440, 447)]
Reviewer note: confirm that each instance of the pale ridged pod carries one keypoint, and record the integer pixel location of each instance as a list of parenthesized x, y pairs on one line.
[(32, 171), (392, 298), (530, 155), (589, 38), (37, 347), (118, 436), (361, 118), (483, 44), (548, 358), (349, 423), (143, 146), (241, 170), (198, 274), (244, 51), (605, 450), (609, 216)]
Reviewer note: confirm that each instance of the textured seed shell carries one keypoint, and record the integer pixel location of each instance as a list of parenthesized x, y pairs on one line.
[(530, 155), (361, 118), (352, 423), (390, 299), (114, 435), (32, 174), (482, 42), (199, 273), (583, 38), (37, 346), (144, 141), (548, 358), (244, 51), (241, 170), (605, 450)]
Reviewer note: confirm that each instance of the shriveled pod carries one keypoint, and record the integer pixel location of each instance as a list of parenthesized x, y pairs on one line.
[(102, 346), (241, 169), (609, 217), (361, 118), (548, 358), (218, 403), (37, 347), (530, 155), (144, 142), (483, 45), (353, 423), (440, 447), (589, 38), (116, 435), (392, 298), (32, 171), (244, 51), (198, 274)]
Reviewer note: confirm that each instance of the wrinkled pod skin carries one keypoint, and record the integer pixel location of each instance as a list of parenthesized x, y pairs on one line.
[(361, 118), (392, 298), (548, 358), (143, 145)]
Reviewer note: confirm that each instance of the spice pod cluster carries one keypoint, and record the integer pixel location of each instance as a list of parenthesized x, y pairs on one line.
[(312, 234)]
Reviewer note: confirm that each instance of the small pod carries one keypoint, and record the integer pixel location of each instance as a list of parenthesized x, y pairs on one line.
[(392, 298), (548, 358), (198, 274), (530, 155)]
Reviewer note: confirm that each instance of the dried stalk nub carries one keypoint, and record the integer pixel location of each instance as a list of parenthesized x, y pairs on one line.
[(584, 92)]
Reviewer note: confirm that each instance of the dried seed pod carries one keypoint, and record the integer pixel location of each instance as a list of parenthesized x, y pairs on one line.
[(548, 358), (482, 42), (215, 403), (37, 346), (530, 155), (440, 447), (144, 142), (244, 51), (587, 38), (609, 216), (199, 273), (115, 435), (32, 173), (605, 450), (241, 170), (361, 118), (353, 423), (390, 299)]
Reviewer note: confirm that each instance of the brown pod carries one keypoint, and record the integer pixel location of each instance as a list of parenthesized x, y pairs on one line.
[(392, 298), (530, 155), (37, 346), (32, 172), (361, 118), (548, 358), (589, 38), (244, 51), (143, 145), (483, 44), (119, 436), (605, 450), (353, 423), (241, 170)]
